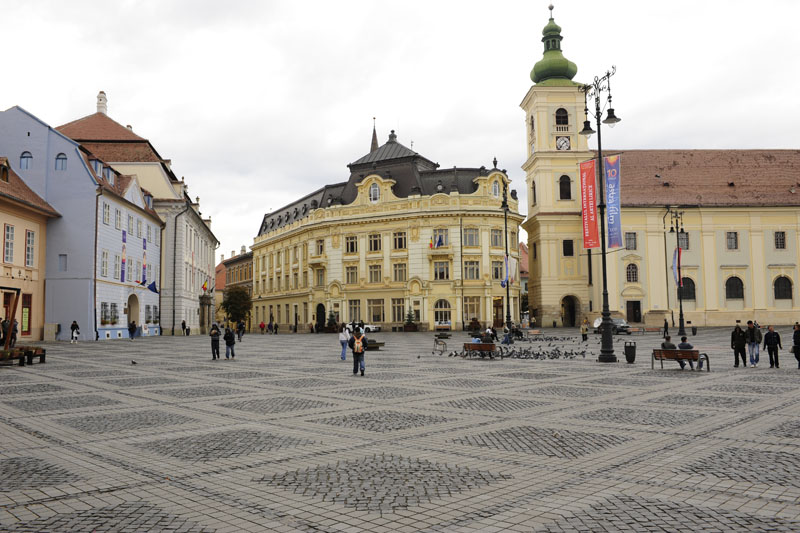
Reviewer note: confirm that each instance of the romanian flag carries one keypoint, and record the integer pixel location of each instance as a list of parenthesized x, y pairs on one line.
[(431, 243), (205, 285)]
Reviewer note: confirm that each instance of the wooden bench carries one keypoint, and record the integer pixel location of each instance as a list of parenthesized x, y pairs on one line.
[(482, 349), (374, 345), (24, 354), (678, 355), (534, 334)]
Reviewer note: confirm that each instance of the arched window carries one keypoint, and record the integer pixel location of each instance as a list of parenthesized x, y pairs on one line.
[(25, 161), (495, 189), (61, 162), (734, 288), (783, 288), (562, 117), (688, 289), (374, 193), (632, 273), (564, 188), (441, 312), (533, 190)]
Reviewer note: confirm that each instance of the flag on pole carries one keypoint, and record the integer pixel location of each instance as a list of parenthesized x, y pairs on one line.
[(152, 287), (676, 266), (431, 243), (440, 242), (205, 286)]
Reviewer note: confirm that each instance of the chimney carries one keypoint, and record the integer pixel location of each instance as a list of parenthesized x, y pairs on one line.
[(243, 250), (129, 127), (102, 103), (221, 258), (233, 253)]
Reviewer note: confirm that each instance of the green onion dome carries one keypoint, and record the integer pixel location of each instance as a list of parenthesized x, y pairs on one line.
[(553, 65)]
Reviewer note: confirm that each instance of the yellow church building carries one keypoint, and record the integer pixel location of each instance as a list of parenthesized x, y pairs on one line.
[(400, 235), (739, 209)]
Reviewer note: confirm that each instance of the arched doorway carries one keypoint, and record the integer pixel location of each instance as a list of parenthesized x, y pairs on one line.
[(320, 316), (569, 311), (133, 309)]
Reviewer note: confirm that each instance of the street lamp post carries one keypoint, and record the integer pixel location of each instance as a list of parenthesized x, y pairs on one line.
[(504, 205), (676, 227), (595, 90)]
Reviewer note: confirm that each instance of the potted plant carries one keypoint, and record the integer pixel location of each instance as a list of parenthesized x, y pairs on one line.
[(103, 322), (410, 325)]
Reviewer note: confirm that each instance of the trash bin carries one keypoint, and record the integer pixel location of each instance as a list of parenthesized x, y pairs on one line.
[(630, 351), (694, 330)]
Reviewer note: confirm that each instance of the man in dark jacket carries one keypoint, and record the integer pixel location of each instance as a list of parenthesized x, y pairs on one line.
[(214, 334), (358, 343), (796, 343), (738, 343), (230, 340), (753, 342), (772, 341)]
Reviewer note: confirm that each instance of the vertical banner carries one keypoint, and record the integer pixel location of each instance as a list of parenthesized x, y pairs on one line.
[(124, 259), (676, 267), (611, 166), (589, 205)]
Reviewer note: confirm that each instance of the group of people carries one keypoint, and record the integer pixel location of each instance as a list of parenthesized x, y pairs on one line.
[(683, 345), (230, 341), (271, 328), (751, 338), (8, 331), (354, 338)]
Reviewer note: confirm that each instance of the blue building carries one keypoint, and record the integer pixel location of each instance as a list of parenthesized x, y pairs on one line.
[(104, 251)]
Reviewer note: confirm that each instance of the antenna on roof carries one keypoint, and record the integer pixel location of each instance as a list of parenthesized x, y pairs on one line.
[(412, 144)]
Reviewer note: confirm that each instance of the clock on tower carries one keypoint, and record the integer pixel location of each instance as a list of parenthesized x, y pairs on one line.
[(562, 143)]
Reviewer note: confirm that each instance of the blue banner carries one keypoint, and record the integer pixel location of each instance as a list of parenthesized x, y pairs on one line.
[(611, 166)]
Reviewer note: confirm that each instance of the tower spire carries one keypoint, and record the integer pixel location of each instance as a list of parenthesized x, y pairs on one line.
[(553, 67), (374, 137)]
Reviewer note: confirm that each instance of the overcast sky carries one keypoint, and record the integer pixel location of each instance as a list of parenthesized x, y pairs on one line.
[(260, 102)]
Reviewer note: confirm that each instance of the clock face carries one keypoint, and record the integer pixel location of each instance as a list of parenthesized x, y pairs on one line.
[(562, 143)]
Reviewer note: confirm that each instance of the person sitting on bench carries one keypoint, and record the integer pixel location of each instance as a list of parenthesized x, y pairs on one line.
[(487, 338), (684, 345), (668, 345)]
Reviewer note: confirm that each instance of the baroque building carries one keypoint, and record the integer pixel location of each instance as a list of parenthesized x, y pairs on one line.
[(400, 235), (742, 225), (238, 271), (189, 244)]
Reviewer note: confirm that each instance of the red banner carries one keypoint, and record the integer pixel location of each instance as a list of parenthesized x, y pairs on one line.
[(591, 237)]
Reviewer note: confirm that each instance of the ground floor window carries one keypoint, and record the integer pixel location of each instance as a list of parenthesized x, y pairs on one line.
[(148, 314), (398, 310), (472, 308), (375, 310), (441, 312), (354, 310), (105, 315)]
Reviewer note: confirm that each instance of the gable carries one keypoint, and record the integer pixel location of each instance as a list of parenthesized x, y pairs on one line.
[(134, 194)]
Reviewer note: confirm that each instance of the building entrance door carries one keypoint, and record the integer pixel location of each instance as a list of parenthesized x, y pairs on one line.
[(569, 311), (634, 313), (497, 313), (320, 317)]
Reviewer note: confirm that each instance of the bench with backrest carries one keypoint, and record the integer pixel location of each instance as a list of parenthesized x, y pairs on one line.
[(482, 349), (534, 333), (24, 354), (677, 355)]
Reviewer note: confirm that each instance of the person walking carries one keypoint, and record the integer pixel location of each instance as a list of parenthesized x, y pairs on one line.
[(772, 342), (585, 330), (183, 327), (796, 343), (269, 327), (230, 341), (132, 330), (14, 331), (240, 329), (261, 326), (214, 334), (753, 342), (74, 332), (344, 337), (738, 343), (275, 329), (358, 343), (666, 328)]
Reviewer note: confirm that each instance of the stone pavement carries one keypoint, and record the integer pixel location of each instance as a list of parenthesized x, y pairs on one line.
[(285, 438)]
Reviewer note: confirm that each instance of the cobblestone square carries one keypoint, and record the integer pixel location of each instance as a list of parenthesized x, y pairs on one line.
[(288, 439)]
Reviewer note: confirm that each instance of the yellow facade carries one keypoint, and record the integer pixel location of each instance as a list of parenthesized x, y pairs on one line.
[(372, 260), (742, 222)]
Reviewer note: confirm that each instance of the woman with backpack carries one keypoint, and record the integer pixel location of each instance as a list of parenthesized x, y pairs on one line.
[(344, 337), (358, 343), (230, 340)]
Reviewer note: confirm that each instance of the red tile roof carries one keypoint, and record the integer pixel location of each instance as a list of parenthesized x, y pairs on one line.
[(709, 177), (16, 190), (129, 152), (98, 126)]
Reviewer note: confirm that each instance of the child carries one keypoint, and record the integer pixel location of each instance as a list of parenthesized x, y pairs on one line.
[(358, 343), (230, 340)]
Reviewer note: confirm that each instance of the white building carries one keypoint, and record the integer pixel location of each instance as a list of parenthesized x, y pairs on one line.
[(188, 252)]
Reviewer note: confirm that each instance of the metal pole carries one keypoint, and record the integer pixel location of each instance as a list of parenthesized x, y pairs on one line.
[(607, 342), (508, 274), (681, 328)]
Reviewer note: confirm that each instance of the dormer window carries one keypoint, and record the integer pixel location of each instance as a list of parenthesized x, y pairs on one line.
[(97, 166), (495, 189), (374, 193), (61, 162), (25, 161), (4, 173), (110, 175)]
